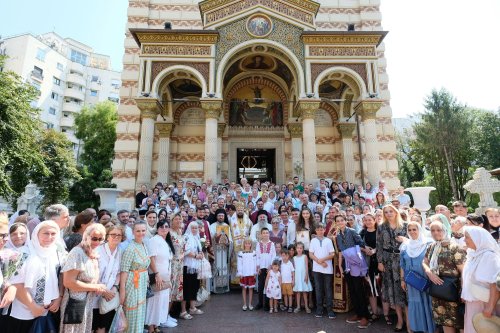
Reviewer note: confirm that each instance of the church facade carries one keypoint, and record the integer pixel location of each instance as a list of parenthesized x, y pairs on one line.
[(224, 89)]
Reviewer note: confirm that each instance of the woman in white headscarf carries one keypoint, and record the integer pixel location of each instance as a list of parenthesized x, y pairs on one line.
[(192, 257), (444, 258), (419, 309), (479, 276), (19, 238), (38, 289)]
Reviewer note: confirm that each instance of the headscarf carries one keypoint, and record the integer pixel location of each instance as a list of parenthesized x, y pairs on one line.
[(43, 259), (415, 247), (24, 248), (483, 263), (192, 242), (433, 264), (446, 224)]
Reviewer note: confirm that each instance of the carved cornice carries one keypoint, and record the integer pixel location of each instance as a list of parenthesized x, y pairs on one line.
[(307, 108), (150, 107), (165, 129), (195, 37), (344, 37), (342, 51), (295, 130), (176, 49), (212, 108), (367, 109), (346, 129), (220, 129), (309, 5)]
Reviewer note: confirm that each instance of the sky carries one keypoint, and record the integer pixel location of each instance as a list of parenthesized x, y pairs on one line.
[(452, 44)]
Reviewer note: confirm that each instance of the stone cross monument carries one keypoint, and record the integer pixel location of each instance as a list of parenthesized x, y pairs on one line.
[(485, 185)]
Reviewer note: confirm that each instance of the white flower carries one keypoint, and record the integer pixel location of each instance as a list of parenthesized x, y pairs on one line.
[(203, 240)]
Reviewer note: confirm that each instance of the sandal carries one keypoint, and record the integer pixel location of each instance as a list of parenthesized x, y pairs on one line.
[(244, 308), (195, 312), (374, 317), (387, 320), (185, 315)]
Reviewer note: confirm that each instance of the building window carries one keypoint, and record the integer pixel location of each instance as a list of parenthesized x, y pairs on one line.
[(50, 125), (115, 84), (63, 130), (54, 96), (78, 57), (36, 85), (60, 66), (52, 110), (57, 81), (93, 93), (95, 78), (114, 99), (40, 54), (37, 73)]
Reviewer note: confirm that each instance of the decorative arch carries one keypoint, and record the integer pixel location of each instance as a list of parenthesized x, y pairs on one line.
[(256, 80), (183, 107), (227, 61), (179, 68), (332, 110), (353, 79)]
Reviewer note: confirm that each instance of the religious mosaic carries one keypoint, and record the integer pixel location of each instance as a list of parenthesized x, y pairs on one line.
[(255, 106), (259, 25)]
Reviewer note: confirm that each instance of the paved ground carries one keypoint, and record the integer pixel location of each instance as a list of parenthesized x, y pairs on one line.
[(223, 314)]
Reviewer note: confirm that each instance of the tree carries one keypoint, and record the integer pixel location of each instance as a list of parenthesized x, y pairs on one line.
[(20, 133), (59, 160), (485, 131), (96, 127)]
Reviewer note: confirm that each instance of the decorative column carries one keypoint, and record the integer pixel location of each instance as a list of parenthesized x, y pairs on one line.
[(165, 130), (150, 108), (367, 110), (346, 130), (307, 112), (297, 160), (212, 110), (220, 131)]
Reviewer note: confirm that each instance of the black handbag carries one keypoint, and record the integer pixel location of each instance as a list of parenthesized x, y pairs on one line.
[(448, 291), (74, 311)]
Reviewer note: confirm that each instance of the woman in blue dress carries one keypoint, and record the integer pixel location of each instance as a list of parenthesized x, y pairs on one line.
[(419, 310)]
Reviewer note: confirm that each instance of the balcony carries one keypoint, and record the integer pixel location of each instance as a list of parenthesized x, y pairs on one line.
[(75, 93), (95, 85), (77, 67), (36, 75), (76, 79), (66, 122), (71, 107)]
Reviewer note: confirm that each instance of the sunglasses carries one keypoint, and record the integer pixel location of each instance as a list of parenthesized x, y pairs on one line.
[(96, 239), (4, 236)]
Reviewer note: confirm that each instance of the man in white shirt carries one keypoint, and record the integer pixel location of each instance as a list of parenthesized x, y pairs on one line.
[(381, 188), (321, 252), (404, 199), (268, 205)]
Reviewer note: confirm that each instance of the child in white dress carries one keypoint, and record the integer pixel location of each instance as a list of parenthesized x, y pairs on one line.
[(302, 285), (273, 286), (247, 272)]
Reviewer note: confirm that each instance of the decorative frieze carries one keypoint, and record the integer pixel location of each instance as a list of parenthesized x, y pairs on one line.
[(176, 50), (342, 51), (202, 67), (343, 38), (170, 36)]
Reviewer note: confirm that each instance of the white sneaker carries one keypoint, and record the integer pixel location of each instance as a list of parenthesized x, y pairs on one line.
[(168, 324), (170, 318)]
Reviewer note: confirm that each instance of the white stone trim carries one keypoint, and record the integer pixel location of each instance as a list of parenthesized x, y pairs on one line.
[(156, 83)]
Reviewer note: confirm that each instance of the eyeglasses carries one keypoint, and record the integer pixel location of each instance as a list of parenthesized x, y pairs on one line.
[(96, 239), (113, 235), (165, 226), (4, 236)]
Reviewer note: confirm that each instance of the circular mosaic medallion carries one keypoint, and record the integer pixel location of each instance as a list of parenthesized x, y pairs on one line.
[(259, 25)]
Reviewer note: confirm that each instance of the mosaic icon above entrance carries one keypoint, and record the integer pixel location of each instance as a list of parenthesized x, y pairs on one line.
[(259, 25)]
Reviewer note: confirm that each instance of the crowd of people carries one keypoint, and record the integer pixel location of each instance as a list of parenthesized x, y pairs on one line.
[(287, 243)]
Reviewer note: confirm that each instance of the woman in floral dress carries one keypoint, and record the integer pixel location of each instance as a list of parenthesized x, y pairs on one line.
[(134, 280), (176, 294), (444, 258)]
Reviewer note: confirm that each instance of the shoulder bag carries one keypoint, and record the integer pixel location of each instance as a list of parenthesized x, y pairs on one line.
[(107, 306), (416, 280), (448, 291), (74, 311)]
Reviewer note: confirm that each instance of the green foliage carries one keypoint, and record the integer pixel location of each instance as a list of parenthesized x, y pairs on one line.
[(96, 127), (20, 133), (449, 143), (58, 157)]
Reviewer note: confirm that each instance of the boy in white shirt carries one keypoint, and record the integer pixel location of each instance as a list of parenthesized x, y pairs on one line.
[(287, 280), (266, 252)]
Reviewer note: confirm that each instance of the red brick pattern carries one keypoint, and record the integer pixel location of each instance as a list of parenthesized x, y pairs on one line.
[(129, 118), (129, 194), (183, 175), (328, 157), (189, 139), (331, 175), (130, 83), (125, 100), (124, 174), (327, 140), (127, 136), (126, 155)]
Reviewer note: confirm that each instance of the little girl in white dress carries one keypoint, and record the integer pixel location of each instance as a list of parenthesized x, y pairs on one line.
[(273, 286)]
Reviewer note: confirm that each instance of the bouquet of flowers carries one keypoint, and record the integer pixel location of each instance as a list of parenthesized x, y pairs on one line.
[(203, 242), (10, 262)]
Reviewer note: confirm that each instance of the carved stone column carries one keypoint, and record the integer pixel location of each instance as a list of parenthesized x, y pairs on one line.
[(150, 108), (346, 131), (212, 110), (307, 112), (297, 160), (367, 110), (220, 131), (165, 130)]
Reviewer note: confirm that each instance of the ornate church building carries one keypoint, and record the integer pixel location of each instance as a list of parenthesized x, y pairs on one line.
[(262, 89)]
